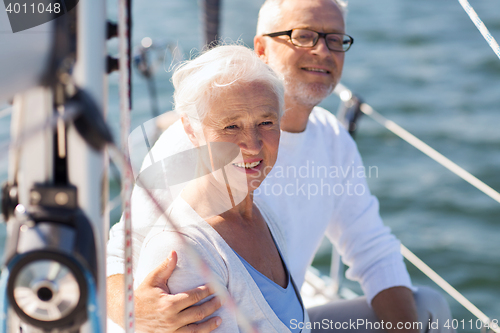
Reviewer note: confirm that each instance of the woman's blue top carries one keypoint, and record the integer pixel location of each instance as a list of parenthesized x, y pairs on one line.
[(284, 302)]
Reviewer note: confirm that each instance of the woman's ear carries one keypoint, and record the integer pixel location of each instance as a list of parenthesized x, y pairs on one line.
[(188, 128)]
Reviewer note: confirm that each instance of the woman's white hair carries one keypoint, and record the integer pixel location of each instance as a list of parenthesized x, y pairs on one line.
[(199, 81), (270, 15)]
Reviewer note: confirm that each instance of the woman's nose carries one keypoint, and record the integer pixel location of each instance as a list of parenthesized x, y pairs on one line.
[(251, 142)]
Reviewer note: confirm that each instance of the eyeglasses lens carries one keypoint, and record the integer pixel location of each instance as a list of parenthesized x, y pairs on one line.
[(304, 38), (308, 38)]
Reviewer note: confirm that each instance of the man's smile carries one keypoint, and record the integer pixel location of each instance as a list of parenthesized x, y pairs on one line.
[(316, 70)]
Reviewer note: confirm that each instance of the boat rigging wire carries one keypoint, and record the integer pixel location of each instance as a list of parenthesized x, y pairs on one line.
[(6, 112), (438, 157), (50, 123), (480, 26), (115, 202), (124, 31), (345, 94), (422, 266)]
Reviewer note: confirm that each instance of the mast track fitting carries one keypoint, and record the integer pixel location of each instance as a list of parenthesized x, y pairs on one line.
[(51, 261), (9, 200)]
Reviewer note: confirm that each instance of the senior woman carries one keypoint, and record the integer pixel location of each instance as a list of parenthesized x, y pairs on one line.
[(227, 97)]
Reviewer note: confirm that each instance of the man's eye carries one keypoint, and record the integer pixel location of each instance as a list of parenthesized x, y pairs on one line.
[(231, 127), (335, 39), (305, 36)]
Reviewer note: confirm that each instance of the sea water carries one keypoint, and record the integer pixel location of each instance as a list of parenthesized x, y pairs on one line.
[(422, 64)]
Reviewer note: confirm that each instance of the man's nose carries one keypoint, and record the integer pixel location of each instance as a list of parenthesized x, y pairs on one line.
[(321, 47)]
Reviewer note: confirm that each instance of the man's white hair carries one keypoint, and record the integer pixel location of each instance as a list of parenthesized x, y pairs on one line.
[(270, 15), (200, 81)]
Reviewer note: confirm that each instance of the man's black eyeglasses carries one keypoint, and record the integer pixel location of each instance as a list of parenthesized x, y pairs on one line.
[(309, 38)]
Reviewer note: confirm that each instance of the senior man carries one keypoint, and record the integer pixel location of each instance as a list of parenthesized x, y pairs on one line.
[(317, 187)]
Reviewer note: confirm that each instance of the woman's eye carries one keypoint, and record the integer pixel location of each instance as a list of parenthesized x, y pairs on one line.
[(231, 127), (266, 123)]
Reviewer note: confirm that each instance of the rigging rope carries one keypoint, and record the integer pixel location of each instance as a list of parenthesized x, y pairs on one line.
[(411, 257), (431, 152), (480, 26), (127, 177), (345, 94), (49, 123), (5, 112)]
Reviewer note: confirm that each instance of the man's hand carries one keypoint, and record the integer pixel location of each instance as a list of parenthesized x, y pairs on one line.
[(396, 305), (156, 310)]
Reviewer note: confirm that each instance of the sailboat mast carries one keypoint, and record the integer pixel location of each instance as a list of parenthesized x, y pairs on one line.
[(58, 221), (88, 167), (211, 21)]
